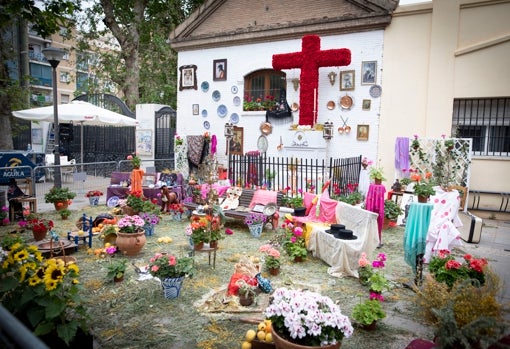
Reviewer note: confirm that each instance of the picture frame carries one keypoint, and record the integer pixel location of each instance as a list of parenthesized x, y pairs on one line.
[(368, 72), (195, 109), (37, 137), (144, 142), (188, 78), (149, 179), (220, 70), (235, 144), (366, 104), (347, 80), (362, 132)]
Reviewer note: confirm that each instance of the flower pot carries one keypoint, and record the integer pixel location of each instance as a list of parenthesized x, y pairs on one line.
[(256, 229), (423, 199), (118, 279), (94, 200), (378, 181), (198, 246), (60, 205), (298, 259), (246, 299), (131, 243), (213, 244), (282, 343), (274, 271), (172, 287), (128, 210), (370, 327), (39, 235), (149, 229)]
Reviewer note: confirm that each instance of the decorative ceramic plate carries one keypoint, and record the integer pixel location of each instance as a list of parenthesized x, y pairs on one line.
[(346, 102), (269, 209), (331, 105), (262, 144), (234, 89), (204, 86), (222, 111), (375, 91), (113, 201), (237, 101), (216, 95), (204, 113), (206, 125), (234, 118), (294, 106)]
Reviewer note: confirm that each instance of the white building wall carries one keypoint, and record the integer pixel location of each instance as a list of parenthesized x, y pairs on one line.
[(242, 60)]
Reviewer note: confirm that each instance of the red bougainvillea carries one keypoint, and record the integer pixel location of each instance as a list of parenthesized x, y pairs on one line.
[(309, 60)]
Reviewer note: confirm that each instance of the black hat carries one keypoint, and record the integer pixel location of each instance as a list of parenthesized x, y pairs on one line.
[(341, 233), (335, 227), (299, 211)]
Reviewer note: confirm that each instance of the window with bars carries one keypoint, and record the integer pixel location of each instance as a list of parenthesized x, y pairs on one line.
[(262, 89), (486, 121)]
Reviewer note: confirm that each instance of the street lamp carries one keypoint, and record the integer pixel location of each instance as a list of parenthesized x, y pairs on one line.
[(54, 56), (229, 134)]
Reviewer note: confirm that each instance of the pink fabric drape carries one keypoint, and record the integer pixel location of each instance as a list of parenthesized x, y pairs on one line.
[(375, 203)]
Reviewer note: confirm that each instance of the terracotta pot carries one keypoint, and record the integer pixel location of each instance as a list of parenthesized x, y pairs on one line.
[(118, 279), (423, 199), (370, 327), (282, 343), (60, 205), (213, 244), (298, 259), (128, 210), (198, 246), (246, 300), (377, 181), (40, 235), (274, 271), (131, 243)]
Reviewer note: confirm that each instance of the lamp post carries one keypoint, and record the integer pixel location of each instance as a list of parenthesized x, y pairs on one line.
[(229, 134), (54, 56)]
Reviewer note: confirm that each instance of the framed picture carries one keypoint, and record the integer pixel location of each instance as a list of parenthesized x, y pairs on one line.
[(149, 179), (347, 80), (37, 136), (362, 133), (366, 104), (195, 109), (368, 72), (188, 78), (236, 143), (220, 70), (144, 142)]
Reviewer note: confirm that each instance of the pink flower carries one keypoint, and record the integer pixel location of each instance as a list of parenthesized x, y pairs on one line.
[(155, 268), (363, 261), (378, 296), (229, 231), (171, 260), (452, 264), (274, 253)]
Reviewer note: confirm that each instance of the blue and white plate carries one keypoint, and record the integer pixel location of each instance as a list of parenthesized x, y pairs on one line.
[(216, 95), (204, 86), (237, 101), (204, 113), (222, 111), (206, 125), (113, 201), (234, 118), (234, 89)]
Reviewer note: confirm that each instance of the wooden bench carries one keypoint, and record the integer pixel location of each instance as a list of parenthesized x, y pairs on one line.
[(243, 211)]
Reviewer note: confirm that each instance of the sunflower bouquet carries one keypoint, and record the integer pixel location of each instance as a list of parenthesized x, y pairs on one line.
[(42, 293)]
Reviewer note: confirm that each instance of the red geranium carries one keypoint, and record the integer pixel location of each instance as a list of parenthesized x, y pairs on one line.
[(36, 224)]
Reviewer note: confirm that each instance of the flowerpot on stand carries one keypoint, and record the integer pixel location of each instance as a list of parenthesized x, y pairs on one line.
[(282, 343), (378, 181), (423, 199), (94, 200), (213, 244), (198, 246), (172, 287), (61, 205), (256, 229), (131, 243)]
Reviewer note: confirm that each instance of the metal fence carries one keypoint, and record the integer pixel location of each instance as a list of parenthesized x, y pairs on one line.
[(278, 173)]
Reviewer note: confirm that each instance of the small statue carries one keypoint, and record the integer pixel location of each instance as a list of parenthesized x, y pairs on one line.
[(396, 187)]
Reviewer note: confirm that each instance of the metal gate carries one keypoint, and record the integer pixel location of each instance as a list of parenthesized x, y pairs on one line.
[(165, 122)]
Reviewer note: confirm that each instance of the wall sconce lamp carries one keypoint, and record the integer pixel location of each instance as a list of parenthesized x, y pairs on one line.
[(327, 131)]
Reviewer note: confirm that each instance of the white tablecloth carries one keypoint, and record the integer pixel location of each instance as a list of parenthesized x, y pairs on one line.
[(343, 255), (443, 233)]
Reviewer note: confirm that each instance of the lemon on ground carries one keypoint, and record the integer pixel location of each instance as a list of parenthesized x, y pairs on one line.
[(107, 244), (268, 325), (250, 335), (261, 326), (261, 335), (269, 337), (246, 345)]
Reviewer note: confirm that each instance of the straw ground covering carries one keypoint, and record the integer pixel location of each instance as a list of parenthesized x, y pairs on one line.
[(134, 313)]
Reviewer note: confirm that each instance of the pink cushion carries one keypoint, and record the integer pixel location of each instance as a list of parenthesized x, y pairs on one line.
[(263, 197), (327, 209)]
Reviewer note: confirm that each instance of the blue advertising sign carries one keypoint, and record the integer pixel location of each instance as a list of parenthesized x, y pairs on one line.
[(16, 166)]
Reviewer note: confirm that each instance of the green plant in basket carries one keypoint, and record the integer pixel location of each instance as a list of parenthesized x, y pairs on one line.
[(368, 311), (58, 195)]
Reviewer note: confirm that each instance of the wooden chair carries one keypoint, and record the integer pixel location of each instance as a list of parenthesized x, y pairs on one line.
[(463, 191), (26, 186)]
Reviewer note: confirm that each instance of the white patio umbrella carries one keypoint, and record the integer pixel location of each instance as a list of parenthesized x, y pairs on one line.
[(77, 111)]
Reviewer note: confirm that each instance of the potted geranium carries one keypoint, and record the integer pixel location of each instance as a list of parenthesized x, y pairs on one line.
[(368, 312), (294, 243), (255, 222), (136, 203), (171, 270), (198, 231), (151, 220), (44, 294), (271, 258), (306, 318), (39, 226), (423, 186), (60, 197), (93, 196), (391, 212), (131, 235), (365, 270)]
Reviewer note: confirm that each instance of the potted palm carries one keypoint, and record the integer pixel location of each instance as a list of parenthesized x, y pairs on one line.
[(60, 197), (367, 313)]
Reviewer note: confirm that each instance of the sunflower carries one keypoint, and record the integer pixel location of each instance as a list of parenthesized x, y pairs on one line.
[(73, 269), (21, 255), (53, 275)]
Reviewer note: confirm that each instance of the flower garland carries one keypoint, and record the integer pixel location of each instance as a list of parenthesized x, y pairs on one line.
[(309, 60)]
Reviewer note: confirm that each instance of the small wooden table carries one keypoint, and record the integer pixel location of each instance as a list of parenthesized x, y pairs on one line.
[(209, 251), (32, 203)]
